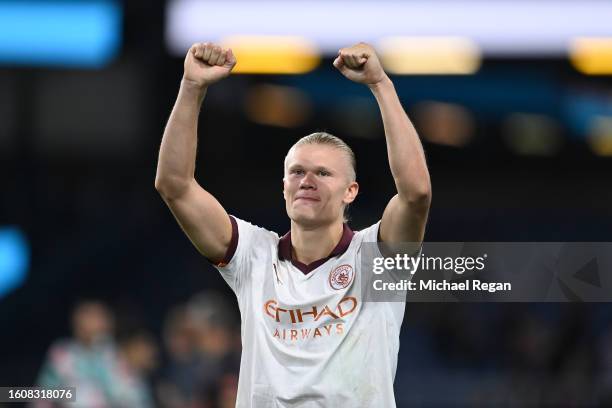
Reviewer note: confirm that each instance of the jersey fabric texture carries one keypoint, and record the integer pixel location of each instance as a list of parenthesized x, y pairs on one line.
[(308, 340)]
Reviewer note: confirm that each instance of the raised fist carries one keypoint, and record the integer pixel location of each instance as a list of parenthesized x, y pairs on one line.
[(359, 63), (207, 63)]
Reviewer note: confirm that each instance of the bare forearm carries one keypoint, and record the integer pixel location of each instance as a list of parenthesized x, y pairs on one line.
[(177, 155), (406, 155)]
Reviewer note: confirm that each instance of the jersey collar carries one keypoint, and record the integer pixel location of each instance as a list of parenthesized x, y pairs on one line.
[(285, 253)]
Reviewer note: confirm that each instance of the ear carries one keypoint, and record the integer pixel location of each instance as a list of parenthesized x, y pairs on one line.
[(284, 194), (351, 192)]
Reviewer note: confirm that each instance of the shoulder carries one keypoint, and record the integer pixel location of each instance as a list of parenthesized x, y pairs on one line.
[(61, 349), (369, 234), (247, 239), (363, 237), (254, 233)]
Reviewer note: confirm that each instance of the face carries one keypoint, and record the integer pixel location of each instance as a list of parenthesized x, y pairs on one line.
[(141, 353), (317, 184), (91, 321)]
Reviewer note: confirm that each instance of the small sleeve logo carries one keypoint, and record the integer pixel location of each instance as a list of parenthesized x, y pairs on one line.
[(341, 277)]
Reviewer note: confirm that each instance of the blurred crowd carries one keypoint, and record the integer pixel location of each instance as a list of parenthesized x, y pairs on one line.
[(510, 354), (501, 354), (194, 365)]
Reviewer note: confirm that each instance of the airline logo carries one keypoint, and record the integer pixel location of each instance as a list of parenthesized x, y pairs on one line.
[(314, 316), (313, 313)]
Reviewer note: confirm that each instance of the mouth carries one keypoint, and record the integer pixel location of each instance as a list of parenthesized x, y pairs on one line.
[(307, 199)]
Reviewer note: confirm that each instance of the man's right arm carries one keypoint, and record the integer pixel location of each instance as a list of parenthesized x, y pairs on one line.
[(199, 214)]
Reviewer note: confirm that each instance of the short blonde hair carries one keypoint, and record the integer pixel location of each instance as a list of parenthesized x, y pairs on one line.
[(324, 138)]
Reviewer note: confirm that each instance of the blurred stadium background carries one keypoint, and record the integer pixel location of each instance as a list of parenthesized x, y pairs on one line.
[(513, 101)]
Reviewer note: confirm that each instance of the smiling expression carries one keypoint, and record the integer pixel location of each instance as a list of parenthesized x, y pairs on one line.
[(317, 184)]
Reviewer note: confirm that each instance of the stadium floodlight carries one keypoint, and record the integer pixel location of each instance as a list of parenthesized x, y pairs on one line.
[(265, 54), (429, 55), (83, 34), (592, 56), (542, 28), (14, 259)]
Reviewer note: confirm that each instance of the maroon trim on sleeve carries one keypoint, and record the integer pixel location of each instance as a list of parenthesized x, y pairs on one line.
[(231, 249)]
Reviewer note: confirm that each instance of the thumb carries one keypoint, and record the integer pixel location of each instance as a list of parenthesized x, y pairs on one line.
[(339, 63), (346, 71), (231, 58)]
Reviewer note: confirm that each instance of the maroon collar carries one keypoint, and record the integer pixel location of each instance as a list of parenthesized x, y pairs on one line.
[(285, 253)]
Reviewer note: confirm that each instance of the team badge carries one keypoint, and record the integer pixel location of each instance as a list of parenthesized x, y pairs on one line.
[(341, 277)]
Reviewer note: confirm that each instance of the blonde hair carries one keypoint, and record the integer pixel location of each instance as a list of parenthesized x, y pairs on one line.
[(327, 139)]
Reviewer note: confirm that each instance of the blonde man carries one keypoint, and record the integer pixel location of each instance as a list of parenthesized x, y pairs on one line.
[(308, 338)]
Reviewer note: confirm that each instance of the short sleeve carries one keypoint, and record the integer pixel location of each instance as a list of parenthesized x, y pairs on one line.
[(368, 239), (370, 234), (237, 264), (372, 247)]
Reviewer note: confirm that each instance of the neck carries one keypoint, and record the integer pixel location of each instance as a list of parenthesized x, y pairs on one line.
[(312, 244)]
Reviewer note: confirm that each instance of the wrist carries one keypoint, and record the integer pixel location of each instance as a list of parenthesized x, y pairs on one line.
[(191, 85), (385, 82), (192, 89)]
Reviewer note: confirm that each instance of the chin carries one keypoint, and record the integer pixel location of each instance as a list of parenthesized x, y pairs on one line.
[(308, 218), (305, 219)]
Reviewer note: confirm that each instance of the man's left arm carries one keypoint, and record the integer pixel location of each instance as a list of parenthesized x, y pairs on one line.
[(405, 217)]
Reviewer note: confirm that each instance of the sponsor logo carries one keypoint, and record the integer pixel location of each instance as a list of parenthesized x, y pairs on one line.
[(311, 322), (294, 335), (344, 307), (341, 277)]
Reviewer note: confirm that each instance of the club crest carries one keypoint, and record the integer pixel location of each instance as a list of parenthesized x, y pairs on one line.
[(341, 277)]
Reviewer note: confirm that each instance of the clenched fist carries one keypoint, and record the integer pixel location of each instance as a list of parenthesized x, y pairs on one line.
[(359, 63), (207, 63)]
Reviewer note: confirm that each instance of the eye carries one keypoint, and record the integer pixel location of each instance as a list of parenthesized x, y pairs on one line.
[(299, 172), (324, 173)]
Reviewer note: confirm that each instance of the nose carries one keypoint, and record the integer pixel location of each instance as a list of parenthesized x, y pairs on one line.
[(307, 182)]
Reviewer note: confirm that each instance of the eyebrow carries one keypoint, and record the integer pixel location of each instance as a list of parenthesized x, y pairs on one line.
[(318, 168)]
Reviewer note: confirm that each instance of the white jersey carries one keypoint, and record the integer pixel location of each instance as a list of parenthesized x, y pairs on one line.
[(308, 340)]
